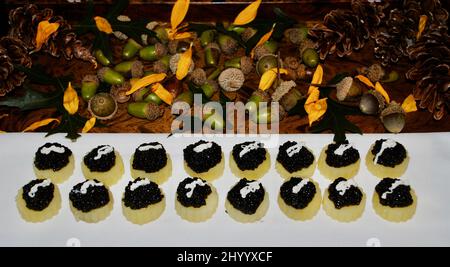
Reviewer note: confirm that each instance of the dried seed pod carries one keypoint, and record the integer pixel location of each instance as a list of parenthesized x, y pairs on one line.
[(393, 117), (231, 79)]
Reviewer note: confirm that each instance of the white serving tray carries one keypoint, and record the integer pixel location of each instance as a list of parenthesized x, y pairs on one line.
[(428, 174)]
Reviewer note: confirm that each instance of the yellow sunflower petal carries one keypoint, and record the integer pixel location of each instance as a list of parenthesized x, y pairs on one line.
[(45, 29), (103, 25), (316, 110), (162, 93), (182, 35), (313, 96), (248, 14), (179, 11), (409, 104), (184, 63), (317, 78), (147, 80), (263, 39), (422, 23), (70, 100), (39, 124), (89, 125), (383, 92), (268, 78), (365, 80)]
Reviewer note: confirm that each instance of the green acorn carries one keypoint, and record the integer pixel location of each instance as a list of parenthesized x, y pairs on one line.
[(89, 86), (110, 76), (310, 58), (130, 49), (101, 58), (145, 110), (153, 52)]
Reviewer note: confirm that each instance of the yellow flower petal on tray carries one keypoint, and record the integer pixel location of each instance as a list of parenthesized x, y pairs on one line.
[(263, 39), (89, 125), (409, 104), (39, 124), (103, 25), (179, 11), (316, 110), (70, 100), (365, 80), (383, 92), (45, 29), (268, 78), (184, 63), (248, 14), (422, 23), (147, 80), (316, 79), (162, 93)]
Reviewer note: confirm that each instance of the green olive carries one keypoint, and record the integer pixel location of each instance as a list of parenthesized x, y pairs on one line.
[(310, 57)]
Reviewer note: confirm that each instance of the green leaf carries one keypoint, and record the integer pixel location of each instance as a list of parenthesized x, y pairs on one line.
[(70, 124), (32, 100), (335, 120)]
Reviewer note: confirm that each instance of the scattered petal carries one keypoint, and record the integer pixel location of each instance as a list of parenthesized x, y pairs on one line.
[(248, 14), (103, 25), (162, 93), (268, 78), (409, 104), (89, 125), (316, 110), (263, 39), (70, 100), (175, 35), (179, 11), (39, 124), (45, 29), (316, 79), (184, 63), (365, 80), (383, 92), (147, 80), (422, 23)]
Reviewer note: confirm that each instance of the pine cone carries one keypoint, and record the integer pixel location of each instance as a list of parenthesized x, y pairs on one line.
[(24, 22), (431, 70), (12, 52), (399, 31), (343, 31)]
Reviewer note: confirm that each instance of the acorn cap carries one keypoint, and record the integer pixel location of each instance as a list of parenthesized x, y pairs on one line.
[(247, 34), (160, 67), (301, 71), (305, 44), (283, 88), (101, 73), (375, 73), (172, 46), (393, 117), (291, 63), (347, 89), (90, 78), (262, 95), (137, 69), (290, 99), (118, 92), (103, 106), (198, 77), (213, 45), (295, 35), (246, 65), (261, 51), (173, 63), (231, 79), (160, 50), (227, 44), (153, 111), (266, 63)]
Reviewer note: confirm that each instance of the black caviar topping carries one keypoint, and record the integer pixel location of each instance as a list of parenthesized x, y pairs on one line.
[(198, 195), (349, 156), (151, 160), (300, 160), (53, 160), (142, 196), (204, 160), (391, 156), (95, 196), (351, 196), (251, 202), (398, 197), (103, 164), (42, 197), (302, 198), (250, 160)]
